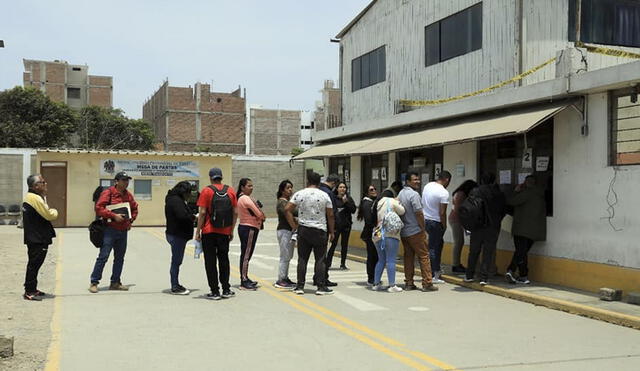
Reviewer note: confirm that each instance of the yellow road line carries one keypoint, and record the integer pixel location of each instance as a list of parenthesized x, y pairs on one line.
[(53, 353)]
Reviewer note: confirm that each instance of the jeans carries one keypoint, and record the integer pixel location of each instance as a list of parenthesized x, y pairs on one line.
[(435, 231), (286, 252), (416, 245), (458, 241), (311, 239), (520, 258), (248, 237), (215, 248), (113, 240), (387, 251), (343, 234), (372, 260), (482, 240), (177, 255), (36, 252)]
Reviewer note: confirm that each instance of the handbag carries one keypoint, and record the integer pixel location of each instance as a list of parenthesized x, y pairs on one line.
[(96, 232)]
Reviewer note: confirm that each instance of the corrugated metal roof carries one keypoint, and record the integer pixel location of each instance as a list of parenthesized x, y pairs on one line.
[(355, 20), (133, 152)]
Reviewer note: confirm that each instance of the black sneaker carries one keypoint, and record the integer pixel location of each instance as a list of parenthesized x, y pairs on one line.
[(458, 269), (324, 291), (282, 284), (179, 290), (247, 286), (214, 296), (331, 284), (299, 290), (344, 268), (509, 277), (287, 280), (228, 293), (523, 280), (410, 287), (32, 296), (252, 282)]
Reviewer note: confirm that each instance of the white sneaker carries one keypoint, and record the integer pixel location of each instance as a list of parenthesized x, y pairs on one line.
[(394, 288), (468, 280), (437, 280), (484, 282), (377, 287)]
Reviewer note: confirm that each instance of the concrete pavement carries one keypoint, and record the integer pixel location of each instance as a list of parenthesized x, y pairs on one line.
[(455, 328)]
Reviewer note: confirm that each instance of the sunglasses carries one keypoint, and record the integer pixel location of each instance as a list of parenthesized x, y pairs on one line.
[(371, 189)]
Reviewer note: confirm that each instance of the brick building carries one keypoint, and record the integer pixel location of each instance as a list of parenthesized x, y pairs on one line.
[(329, 110), (192, 119), (274, 131), (68, 83)]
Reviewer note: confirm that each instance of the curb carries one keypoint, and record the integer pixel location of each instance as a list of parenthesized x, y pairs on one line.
[(551, 303)]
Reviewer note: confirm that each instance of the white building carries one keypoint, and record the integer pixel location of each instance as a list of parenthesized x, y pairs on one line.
[(307, 125), (574, 116)]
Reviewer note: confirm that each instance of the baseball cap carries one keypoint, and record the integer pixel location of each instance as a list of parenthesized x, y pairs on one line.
[(122, 175), (215, 173)]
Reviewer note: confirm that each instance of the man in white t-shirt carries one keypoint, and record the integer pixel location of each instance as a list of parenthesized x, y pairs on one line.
[(315, 227), (435, 199)]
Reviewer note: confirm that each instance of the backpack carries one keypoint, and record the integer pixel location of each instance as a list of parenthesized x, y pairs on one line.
[(472, 213), (391, 223), (221, 208)]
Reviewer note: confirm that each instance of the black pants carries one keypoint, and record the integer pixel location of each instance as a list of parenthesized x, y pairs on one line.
[(36, 253), (312, 239), (482, 241), (216, 249), (343, 234), (248, 237), (372, 259), (520, 258)]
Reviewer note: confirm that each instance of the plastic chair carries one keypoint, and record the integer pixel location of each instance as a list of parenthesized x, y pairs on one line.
[(14, 210), (3, 210)]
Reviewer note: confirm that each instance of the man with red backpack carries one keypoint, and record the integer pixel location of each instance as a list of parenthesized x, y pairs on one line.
[(217, 216)]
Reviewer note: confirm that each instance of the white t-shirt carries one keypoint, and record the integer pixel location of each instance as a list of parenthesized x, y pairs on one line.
[(312, 206), (433, 195)]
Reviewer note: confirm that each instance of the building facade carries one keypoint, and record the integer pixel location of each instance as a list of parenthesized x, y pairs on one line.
[(197, 119), (328, 111), (274, 131), (68, 83), (510, 87)]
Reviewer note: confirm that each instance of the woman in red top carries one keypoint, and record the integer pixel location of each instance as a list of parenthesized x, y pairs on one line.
[(251, 219)]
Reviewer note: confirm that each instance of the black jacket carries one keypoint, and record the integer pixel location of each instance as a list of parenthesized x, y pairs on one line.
[(37, 230), (334, 201), (495, 202), (179, 217), (369, 218), (344, 211)]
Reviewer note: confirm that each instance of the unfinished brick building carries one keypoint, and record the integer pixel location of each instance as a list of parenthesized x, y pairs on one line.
[(274, 131), (68, 83), (197, 119)]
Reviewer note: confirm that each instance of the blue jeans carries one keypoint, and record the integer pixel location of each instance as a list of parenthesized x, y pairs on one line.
[(387, 251), (435, 231), (113, 240), (177, 254)]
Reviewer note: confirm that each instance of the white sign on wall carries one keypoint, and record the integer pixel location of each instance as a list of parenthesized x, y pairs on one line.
[(542, 163), (185, 169), (527, 158)]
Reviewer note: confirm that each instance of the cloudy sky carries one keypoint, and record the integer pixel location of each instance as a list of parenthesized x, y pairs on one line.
[(278, 50)]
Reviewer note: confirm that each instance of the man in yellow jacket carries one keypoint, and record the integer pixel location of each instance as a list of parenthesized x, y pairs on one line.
[(38, 232)]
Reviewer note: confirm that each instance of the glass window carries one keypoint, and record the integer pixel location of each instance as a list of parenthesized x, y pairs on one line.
[(422, 161), (609, 22), (342, 167), (454, 36), (142, 189), (375, 170), (625, 128), (368, 69), (504, 157)]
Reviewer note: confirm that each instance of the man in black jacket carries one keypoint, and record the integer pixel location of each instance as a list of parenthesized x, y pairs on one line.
[(38, 232), (327, 187), (485, 239)]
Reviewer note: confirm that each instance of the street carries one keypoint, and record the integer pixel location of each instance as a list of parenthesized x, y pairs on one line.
[(146, 328)]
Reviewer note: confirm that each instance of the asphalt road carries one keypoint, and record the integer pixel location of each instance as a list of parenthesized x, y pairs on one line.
[(455, 328)]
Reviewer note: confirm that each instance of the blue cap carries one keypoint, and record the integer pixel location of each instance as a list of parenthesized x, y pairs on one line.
[(215, 173)]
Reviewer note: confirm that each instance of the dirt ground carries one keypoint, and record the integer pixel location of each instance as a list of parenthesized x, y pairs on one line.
[(28, 322)]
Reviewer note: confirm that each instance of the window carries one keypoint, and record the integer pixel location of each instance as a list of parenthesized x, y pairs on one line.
[(306, 142), (368, 69), (504, 158), (76, 69), (375, 171), (342, 167), (625, 128), (142, 189), (421, 161), (454, 36), (609, 22), (73, 93)]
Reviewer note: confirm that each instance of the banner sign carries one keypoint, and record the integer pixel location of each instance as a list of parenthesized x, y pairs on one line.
[(182, 169)]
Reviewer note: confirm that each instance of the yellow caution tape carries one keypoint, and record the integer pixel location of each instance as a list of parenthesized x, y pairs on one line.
[(416, 103), (607, 51)]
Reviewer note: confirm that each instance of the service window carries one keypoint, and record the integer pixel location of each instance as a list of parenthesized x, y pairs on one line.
[(426, 162), (142, 189), (342, 167), (375, 171), (625, 128), (511, 160)]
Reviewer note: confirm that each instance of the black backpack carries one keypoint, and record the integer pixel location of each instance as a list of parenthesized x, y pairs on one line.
[(472, 213), (221, 208)]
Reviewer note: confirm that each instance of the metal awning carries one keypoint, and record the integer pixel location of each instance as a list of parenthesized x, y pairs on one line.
[(463, 131)]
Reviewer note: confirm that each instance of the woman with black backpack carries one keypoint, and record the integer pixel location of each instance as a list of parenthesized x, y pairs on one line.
[(179, 230)]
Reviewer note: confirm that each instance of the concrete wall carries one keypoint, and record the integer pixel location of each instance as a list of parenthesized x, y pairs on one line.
[(83, 176), (17, 164), (266, 174)]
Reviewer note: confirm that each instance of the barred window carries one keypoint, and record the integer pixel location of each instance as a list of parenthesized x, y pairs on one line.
[(625, 127)]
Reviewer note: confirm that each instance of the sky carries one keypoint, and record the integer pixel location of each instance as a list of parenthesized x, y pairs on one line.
[(278, 50)]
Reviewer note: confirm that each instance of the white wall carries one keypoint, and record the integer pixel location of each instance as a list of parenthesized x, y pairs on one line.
[(465, 154)]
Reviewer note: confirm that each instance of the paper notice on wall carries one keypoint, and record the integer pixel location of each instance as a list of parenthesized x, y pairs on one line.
[(460, 169), (527, 158), (346, 176), (505, 176), (156, 183), (383, 173), (340, 169), (424, 179), (375, 174), (522, 177), (542, 163), (171, 182), (105, 182), (438, 169)]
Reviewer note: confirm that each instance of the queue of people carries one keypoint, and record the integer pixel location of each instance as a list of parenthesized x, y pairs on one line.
[(313, 218)]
